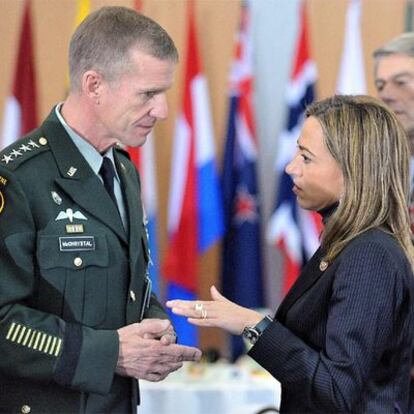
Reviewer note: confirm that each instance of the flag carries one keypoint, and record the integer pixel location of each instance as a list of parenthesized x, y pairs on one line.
[(194, 212), (293, 230), (20, 113), (242, 264), (83, 9), (351, 78)]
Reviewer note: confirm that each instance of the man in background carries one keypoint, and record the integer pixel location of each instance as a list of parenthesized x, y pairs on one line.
[(394, 81), (78, 322)]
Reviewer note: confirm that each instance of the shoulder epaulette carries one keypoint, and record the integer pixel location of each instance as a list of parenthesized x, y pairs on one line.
[(22, 150)]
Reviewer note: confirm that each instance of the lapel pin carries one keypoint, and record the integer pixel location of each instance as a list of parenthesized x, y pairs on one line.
[(71, 172), (56, 198), (323, 265)]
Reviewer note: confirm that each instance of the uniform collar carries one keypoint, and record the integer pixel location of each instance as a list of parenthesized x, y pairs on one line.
[(89, 152)]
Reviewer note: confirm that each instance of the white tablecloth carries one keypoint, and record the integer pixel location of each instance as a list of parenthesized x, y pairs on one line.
[(221, 389)]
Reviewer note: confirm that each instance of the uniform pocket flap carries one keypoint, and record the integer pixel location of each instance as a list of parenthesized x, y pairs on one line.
[(72, 251)]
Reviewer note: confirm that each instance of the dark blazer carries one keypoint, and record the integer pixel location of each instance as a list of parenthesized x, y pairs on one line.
[(70, 275), (342, 338)]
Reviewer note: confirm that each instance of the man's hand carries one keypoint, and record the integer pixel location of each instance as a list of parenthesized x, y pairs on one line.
[(147, 351), (166, 336)]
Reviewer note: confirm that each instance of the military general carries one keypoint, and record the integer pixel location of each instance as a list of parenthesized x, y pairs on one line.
[(78, 322)]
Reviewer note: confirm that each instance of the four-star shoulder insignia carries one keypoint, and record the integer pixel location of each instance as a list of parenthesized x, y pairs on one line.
[(21, 148), (34, 339)]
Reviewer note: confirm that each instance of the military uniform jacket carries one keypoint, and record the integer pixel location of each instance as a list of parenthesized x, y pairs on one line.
[(70, 275)]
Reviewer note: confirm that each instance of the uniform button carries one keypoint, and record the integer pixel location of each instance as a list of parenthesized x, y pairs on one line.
[(26, 409), (132, 295), (42, 141), (77, 262)]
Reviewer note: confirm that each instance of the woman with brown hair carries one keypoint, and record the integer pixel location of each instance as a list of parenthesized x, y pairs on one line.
[(341, 340)]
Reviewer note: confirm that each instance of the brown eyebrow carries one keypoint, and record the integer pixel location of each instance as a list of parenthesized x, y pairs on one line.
[(302, 148)]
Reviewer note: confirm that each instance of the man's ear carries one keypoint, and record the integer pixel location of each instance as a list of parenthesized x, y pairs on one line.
[(91, 85)]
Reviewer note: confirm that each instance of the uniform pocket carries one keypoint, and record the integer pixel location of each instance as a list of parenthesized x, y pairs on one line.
[(77, 267)]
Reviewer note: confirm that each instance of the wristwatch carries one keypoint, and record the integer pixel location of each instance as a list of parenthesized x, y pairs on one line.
[(253, 333)]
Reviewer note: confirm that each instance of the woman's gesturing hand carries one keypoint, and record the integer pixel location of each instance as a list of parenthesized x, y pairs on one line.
[(219, 312)]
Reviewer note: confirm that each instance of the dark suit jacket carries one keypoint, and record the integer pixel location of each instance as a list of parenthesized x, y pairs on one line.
[(342, 338), (66, 284)]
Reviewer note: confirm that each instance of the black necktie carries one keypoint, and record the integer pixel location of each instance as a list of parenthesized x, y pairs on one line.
[(107, 173)]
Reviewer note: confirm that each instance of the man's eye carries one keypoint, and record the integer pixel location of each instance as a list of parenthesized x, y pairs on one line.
[(150, 94)]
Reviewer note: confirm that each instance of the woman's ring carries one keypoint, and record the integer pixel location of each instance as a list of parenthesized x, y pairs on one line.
[(204, 313), (199, 307)]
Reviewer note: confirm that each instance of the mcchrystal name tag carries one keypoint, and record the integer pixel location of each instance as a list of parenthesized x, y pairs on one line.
[(76, 244)]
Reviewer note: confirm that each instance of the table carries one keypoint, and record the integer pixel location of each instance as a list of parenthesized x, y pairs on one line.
[(210, 389)]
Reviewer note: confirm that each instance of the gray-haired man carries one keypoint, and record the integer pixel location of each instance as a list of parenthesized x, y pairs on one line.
[(394, 80)]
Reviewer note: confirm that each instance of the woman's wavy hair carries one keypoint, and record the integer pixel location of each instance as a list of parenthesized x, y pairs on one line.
[(371, 148)]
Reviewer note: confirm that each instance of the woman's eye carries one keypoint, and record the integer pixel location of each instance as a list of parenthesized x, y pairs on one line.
[(305, 158)]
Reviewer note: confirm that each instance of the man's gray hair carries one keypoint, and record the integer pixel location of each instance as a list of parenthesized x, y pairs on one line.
[(103, 42), (402, 44)]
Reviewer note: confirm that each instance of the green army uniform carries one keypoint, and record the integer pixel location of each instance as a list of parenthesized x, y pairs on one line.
[(70, 277)]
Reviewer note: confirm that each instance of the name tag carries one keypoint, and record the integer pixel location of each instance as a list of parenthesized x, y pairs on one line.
[(76, 244)]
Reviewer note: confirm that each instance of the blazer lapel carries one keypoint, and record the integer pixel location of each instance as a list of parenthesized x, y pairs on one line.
[(308, 277), (77, 178)]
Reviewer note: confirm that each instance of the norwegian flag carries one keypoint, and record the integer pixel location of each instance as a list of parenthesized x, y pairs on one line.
[(242, 264), (294, 230), (195, 220), (20, 113)]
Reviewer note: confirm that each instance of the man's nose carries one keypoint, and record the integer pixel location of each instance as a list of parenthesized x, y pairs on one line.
[(160, 107), (387, 94)]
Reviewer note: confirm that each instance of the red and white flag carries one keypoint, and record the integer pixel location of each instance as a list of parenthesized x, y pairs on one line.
[(20, 114), (195, 219), (293, 230)]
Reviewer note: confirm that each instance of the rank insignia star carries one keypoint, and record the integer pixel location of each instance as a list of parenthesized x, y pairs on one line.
[(24, 148), (7, 158), (32, 144), (16, 153)]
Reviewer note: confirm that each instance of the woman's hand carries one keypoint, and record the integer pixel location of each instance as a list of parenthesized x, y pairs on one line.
[(219, 313)]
